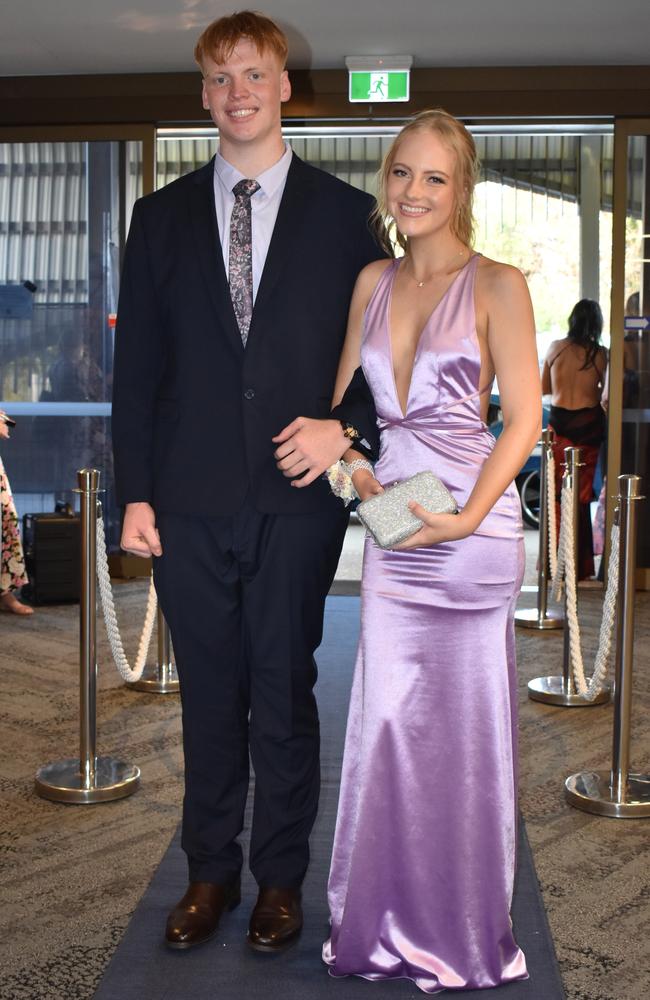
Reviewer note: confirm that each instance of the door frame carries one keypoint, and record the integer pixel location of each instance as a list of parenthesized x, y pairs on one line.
[(623, 129), (145, 133)]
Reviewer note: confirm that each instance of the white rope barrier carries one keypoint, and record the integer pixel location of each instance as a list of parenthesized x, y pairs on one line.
[(110, 617), (566, 572), (558, 574), (551, 513)]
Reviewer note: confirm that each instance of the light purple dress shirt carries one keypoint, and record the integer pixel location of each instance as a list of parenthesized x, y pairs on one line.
[(264, 206)]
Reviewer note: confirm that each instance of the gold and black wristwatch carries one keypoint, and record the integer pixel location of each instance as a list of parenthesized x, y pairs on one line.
[(350, 432)]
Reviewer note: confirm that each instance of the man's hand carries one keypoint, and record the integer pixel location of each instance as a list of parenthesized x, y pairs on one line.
[(139, 533), (309, 446)]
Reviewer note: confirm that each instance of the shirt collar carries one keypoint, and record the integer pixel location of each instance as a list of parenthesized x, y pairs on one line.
[(269, 180)]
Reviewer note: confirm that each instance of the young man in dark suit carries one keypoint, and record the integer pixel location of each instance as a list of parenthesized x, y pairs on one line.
[(232, 314)]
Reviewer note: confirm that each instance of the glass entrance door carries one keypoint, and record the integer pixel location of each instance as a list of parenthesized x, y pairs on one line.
[(65, 206)]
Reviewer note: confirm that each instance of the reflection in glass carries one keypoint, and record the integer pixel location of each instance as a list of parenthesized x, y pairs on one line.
[(66, 206)]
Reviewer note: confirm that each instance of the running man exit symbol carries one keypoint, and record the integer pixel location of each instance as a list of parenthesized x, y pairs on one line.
[(378, 87)]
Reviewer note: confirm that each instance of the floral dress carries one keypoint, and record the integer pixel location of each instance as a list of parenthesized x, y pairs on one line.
[(12, 560)]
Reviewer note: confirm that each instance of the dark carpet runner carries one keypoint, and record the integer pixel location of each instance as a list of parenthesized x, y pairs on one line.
[(225, 969)]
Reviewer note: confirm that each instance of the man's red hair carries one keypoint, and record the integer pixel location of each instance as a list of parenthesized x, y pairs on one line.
[(221, 36)]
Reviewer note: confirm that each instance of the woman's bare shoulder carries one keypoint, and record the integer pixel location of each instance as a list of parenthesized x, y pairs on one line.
[(372, 272), (368, 279), (554, 348), (496, 277)]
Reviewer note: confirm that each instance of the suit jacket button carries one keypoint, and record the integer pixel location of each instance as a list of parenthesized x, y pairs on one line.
[(249, 394)]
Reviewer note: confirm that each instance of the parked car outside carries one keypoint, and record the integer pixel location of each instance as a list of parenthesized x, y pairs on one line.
[(527, 480)]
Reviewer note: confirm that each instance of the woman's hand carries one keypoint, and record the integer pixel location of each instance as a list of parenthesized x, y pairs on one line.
[(365, 484), (437, 528)]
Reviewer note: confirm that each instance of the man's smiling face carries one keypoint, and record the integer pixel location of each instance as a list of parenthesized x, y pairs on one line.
[(244, 94)]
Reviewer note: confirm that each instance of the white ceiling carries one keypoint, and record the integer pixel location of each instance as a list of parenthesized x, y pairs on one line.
[(39, 37)]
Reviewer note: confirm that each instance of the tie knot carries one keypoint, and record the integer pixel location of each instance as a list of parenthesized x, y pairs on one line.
[(245, 188)]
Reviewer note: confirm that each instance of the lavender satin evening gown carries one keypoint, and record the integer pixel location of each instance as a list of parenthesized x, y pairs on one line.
[(424, 853)]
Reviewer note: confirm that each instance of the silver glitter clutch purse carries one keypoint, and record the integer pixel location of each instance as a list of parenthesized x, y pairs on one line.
[(387, 516)]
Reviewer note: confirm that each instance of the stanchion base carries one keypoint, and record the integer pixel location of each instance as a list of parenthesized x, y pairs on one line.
[(62, 781), (157, 681), (551, 691), (530, 618), (592, 792)]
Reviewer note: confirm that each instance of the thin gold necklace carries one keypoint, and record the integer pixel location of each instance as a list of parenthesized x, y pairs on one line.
[(421, 284)]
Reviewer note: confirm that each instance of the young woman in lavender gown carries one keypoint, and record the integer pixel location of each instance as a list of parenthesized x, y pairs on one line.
[(424, 855)]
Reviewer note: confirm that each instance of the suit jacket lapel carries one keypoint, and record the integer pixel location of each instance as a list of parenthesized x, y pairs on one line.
[(287, 230), (208, 249)]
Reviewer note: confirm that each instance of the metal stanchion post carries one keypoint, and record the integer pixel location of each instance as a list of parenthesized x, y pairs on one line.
[(88, 778), (540, 617), (618, 793), (560, 690), (162, 678)]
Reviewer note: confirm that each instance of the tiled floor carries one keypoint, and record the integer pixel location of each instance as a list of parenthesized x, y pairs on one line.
[(71, 875)]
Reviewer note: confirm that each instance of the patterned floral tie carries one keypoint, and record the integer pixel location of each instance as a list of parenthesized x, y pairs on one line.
[(240, 260)]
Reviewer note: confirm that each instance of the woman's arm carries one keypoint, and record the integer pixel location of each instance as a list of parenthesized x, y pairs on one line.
[(358, 409), (510, 329), (351, 353), (364, 482), (554, 349), (306, 447), (512, 346), (602, 368)]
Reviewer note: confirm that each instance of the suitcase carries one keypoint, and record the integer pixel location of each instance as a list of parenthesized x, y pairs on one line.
[(52, 544)]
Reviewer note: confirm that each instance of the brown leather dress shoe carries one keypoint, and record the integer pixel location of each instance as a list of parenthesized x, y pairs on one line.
[(196, 917), (276, 921)]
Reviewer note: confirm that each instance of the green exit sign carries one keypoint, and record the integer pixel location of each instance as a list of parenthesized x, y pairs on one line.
[(379, 86)]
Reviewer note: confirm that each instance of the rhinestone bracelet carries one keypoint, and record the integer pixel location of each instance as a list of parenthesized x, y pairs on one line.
[(359, 463)]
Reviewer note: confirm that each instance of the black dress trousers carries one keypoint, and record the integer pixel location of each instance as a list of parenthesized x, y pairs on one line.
[(244, 598)]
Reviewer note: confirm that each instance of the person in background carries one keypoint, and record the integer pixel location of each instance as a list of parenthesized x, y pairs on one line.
[(574, 376), (12, 560)]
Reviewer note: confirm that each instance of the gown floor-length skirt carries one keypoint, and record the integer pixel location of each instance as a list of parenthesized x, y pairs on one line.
[(425, 847)]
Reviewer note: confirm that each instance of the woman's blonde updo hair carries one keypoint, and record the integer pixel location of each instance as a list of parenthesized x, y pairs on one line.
[(454, 135)]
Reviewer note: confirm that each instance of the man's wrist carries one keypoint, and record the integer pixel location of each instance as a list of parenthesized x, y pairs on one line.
[(353, 437), (349, 431)]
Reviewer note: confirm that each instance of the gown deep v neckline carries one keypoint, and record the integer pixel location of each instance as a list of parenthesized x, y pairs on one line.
[(418, 344)]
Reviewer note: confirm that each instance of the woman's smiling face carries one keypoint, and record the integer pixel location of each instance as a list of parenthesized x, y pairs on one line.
[(421, 190)]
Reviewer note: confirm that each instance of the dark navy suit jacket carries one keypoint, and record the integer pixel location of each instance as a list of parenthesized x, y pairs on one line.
[(193, 411)]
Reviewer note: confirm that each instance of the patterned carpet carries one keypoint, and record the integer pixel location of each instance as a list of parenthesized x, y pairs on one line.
[(71, 875)]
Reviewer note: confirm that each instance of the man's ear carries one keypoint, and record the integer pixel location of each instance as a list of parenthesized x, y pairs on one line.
[(285, 86), (204, 97)]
